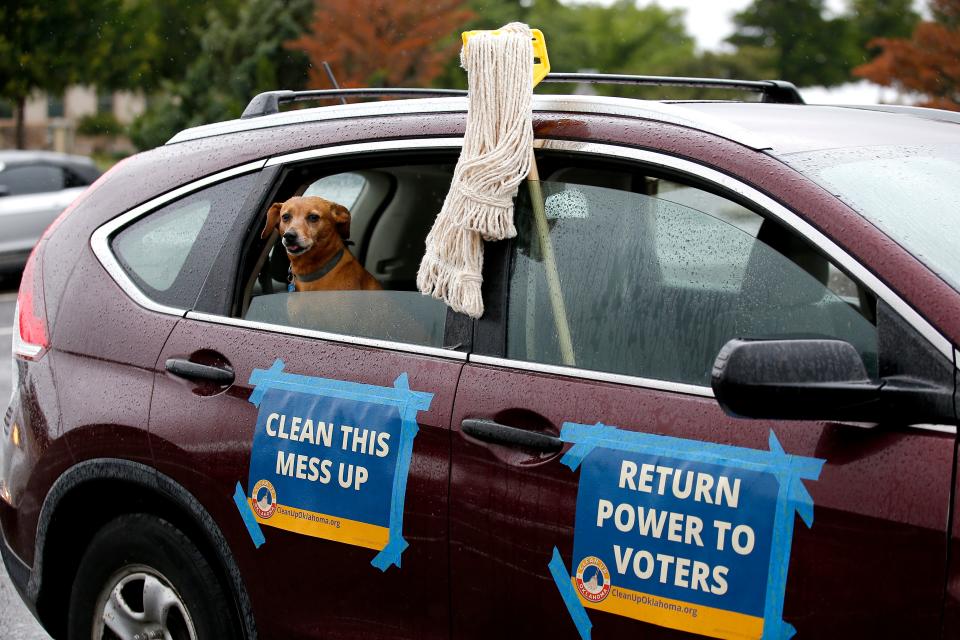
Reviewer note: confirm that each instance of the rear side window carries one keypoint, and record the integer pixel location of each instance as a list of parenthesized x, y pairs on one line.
[(32, 178), (169, 252), (652, 288)]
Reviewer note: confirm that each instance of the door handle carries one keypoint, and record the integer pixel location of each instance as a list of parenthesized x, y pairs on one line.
[(490, 431), (196, 371)]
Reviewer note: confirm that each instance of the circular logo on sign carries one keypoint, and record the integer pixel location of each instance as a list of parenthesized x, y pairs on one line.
[(264, 499), (593, 579)]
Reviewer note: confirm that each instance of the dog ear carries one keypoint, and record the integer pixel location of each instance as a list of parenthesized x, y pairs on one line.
[(273, 218), (341, 218)]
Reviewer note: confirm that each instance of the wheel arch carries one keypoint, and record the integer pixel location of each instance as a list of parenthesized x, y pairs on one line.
[(74, 510)]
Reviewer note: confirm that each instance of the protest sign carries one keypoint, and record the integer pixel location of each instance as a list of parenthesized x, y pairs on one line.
[(680, 533), (330, 458)]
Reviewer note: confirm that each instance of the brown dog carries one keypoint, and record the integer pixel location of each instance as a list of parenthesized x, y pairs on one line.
[(312, 230)]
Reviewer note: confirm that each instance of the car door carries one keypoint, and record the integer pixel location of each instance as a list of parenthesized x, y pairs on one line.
[(311, 426), (598, 490)]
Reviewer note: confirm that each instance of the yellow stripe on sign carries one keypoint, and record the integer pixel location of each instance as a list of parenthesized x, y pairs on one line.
[(676, 614), (320, 525)]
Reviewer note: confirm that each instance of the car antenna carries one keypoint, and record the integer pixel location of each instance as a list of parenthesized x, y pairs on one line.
[(333, 79)]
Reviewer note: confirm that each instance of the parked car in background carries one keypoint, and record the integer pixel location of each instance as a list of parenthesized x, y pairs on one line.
[(713, 391), (35, 186)]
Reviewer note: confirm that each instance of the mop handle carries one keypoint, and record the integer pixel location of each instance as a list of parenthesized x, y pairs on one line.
[(550, 263)]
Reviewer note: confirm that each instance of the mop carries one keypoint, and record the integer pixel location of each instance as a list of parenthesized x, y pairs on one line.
[(497, 156)]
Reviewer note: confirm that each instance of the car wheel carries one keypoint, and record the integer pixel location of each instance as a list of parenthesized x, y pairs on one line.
[(141, 578)]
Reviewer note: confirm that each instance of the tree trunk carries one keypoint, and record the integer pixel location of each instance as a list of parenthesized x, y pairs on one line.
[(21, 137)]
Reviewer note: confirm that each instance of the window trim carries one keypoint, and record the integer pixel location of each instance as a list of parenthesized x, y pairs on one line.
[(357, 341), (99, 242)]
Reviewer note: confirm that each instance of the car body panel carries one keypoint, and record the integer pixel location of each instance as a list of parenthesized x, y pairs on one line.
[(33, 466), (508, 511), (205, 442)]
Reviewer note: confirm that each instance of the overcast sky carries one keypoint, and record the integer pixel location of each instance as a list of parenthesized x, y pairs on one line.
[(710, 21)]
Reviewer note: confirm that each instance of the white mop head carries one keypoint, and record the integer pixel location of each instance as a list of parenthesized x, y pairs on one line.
[(495, 159)]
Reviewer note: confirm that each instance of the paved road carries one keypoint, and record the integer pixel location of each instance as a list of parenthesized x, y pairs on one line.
[(16, 623)]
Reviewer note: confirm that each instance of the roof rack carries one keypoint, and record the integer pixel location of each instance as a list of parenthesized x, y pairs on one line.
[(268, 102), (778, 91)]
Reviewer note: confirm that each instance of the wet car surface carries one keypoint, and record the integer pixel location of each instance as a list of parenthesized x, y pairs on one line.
[(519, 463), (15, 619)]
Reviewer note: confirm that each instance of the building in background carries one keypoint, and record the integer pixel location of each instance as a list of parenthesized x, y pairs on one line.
[(82, 121)]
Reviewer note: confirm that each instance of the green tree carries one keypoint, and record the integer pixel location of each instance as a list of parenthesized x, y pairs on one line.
[(487, 14), (241, 54), (881, 18), (48, 46), (145, 42), (810, 49), (619, 38)]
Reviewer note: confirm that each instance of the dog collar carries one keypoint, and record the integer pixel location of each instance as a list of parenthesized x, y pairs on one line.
[(316, 275)]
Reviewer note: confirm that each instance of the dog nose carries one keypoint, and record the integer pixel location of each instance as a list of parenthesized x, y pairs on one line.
[(290, 236)]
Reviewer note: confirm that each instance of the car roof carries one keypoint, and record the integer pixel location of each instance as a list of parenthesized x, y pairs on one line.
[(13, 156), (779, 129), (789, 129), (600, 105)]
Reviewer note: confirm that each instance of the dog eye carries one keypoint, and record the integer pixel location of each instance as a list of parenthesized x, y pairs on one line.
[(313, 218), (285, 217)]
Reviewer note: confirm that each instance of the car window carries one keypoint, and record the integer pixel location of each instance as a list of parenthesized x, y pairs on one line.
[(74, 178), (32, 178), (391, 211), (648, 287), (911, 192), (169, 252), (342, 188)]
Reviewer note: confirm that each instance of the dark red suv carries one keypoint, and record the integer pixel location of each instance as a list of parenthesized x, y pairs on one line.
[(713, 391)]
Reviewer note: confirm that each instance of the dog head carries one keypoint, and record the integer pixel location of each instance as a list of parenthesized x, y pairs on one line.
[(304, 222)]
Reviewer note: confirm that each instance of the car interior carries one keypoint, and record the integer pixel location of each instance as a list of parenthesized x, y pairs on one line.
[(393, 207)]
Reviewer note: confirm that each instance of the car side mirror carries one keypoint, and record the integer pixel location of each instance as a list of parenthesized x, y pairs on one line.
[(819, 380)]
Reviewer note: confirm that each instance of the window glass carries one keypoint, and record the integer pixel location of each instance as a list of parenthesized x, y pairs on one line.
[(342, 188), (104, 102), (73, 178), (55, 106), (158, 248), (392, 209), (912, 193), (31, 178), (169, 252), (654, 288)]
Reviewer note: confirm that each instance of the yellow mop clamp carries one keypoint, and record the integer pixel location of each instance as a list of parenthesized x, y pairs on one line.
[(541, 63)]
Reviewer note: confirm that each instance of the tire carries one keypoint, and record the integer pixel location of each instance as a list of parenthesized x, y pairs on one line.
[(140, 577)]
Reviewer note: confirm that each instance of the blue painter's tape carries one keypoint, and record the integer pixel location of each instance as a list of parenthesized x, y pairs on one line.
[(562, 577), (390, 554), (789, 471), (240, 499), (407, 404), (583, 442), (259, 377)]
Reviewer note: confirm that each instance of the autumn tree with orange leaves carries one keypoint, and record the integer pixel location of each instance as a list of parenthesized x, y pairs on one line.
[(380, 43), (928, 63)]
